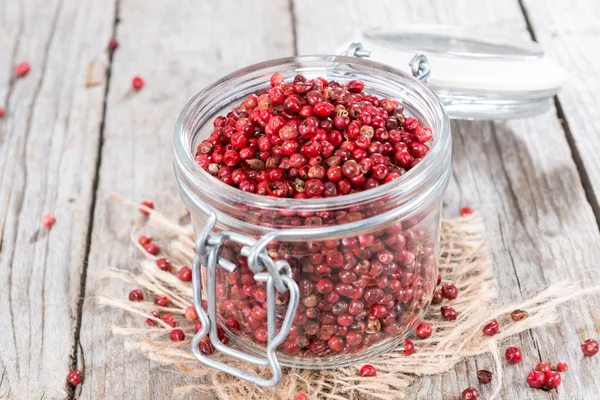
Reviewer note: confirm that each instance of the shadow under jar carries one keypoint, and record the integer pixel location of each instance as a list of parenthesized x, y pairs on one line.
[(365, 263)]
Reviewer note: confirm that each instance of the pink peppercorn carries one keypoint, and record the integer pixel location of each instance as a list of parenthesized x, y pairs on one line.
[(589, 347), (561, 367), (48, 220), (136, 295), (491, 328), (147, 204), (161, 300), (185, 274), (368, 370), (151, 248), (113, 43), (513, 355), (424, 330), (22, 69), (152, 321), (177, 335), (74, 377), (536, 379), (552, 379), (191, 314), (466, 211), (137, 83)]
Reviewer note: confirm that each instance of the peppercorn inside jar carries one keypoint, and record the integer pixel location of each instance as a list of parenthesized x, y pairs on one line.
[(342, 164)]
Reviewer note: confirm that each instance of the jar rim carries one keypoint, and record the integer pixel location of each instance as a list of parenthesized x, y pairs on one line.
[(186, 165)]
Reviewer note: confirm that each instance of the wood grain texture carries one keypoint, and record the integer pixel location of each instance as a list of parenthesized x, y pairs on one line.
[(569, 32), (177, 50), (49, 138), (520, 175)]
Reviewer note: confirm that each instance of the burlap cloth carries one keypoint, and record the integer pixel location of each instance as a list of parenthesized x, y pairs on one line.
[(463, 261)]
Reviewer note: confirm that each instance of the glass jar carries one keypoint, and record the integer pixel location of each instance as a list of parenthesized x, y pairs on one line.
[(314, 283)]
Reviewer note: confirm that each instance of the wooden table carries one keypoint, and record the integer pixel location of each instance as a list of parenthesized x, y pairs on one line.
[(74, 132)]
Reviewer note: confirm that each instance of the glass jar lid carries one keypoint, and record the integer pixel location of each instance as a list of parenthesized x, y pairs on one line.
[(476, 76)]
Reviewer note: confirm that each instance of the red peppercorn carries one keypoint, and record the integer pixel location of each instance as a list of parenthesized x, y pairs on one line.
[(233, 324), (410, 124), (484, 376), (161, 300), (323, 109), (168, 319), (48, 220), (185, 274), (301, 396), (113, 43), (144, 240), (518, 315), (589, 347), (437, 297), (536, 379), (513, 355), (74, 377), (261, 334), (470, 393), (356, 86), (1, 112), (552, 379), (206, 346), (423, 330), (378, 311), (543, 367), (164, 264), (449, 291), (190, 313), (409, 347), (151, 248), (136, 295), (336, 343), (22, 69), (177, 335), (491, 328), (137, 83), (466, 211), (148, 204), (276, 79), (448, 313), (324, 286), (151, 321), (368, 370), (561, 367), (423, 134)]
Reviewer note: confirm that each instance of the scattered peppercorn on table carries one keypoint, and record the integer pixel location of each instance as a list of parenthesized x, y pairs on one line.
[(89, 94)]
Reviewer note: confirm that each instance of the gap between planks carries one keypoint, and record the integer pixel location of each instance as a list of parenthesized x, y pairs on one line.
[(77, 351)]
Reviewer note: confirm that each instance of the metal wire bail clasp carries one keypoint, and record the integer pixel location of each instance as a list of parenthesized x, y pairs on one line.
[(278, 276)]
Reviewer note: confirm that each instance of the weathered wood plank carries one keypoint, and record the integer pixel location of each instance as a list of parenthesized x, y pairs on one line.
[(49, 141), (178, 50), (568, 30), (521, 176)]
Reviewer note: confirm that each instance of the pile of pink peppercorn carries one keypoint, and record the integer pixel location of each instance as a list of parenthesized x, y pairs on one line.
[(312, 138)]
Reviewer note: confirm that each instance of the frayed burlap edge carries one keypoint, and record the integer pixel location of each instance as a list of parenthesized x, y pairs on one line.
[(463, 261)]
